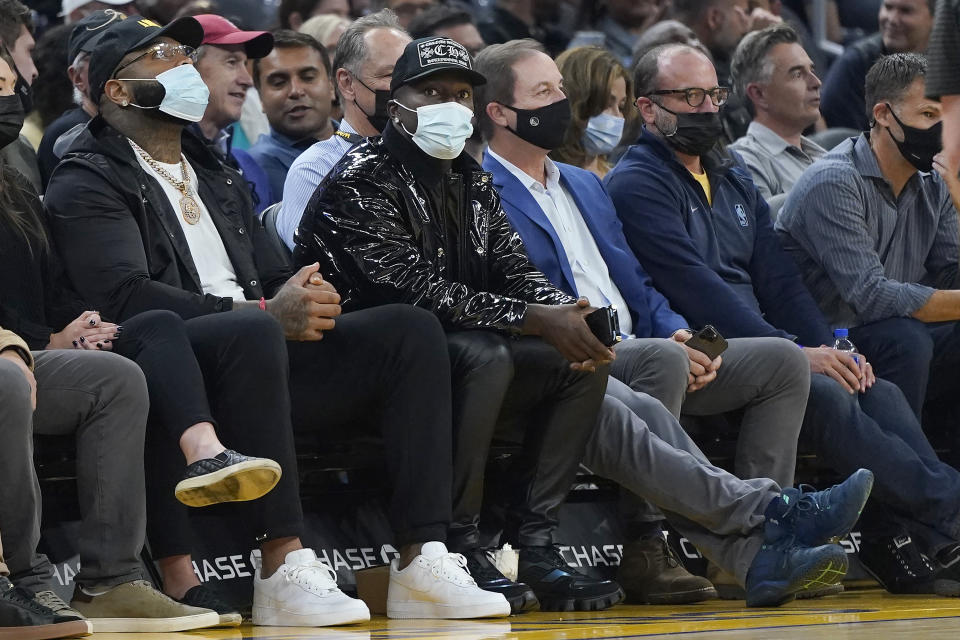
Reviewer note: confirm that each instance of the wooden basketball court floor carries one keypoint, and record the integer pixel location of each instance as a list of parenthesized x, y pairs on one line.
[(857, 613)]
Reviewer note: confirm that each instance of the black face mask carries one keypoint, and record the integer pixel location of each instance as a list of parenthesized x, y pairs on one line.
[(22, 90), (696, 133), (919, 145), (543, 127), (11, 119), (379, 118)]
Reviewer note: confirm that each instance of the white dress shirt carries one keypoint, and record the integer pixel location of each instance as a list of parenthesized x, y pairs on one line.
[(590, 274)]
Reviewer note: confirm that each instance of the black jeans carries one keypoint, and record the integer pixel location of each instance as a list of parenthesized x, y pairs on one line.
[(522, 391), (386, 371), (920, 358), (230, 369)]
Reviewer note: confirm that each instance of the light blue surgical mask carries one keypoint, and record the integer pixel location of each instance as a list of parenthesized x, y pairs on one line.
[(602, 134), (185, 94), (442, 129)]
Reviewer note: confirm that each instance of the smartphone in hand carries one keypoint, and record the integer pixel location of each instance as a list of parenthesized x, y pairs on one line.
[(709, 341), (604, 323)]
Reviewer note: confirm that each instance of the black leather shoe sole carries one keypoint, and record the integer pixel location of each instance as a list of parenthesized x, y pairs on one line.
[(522, 602), (595, 603), (947, 588), (673, 597), (520, 596)]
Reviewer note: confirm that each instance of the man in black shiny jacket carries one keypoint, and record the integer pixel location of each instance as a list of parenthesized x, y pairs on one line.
[(409, 218), (129, 244)]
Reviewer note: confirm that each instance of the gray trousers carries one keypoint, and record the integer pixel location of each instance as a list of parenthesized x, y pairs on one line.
[(768, 378), (102, 398), (640, 445)]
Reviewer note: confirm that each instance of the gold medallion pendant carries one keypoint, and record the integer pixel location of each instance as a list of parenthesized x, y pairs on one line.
[(190, 209)]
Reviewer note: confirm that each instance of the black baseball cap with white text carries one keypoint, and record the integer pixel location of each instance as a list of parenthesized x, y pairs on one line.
[(427, 56)]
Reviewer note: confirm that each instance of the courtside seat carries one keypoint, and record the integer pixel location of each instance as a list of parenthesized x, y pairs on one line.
[(269, 221)]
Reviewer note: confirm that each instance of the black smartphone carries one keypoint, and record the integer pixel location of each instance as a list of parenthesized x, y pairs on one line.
[(605, 325), (709, 341)]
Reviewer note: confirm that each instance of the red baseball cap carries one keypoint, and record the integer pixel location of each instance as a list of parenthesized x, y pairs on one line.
[(219, 30)]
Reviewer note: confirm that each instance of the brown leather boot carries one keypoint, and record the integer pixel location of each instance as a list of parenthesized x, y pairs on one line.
[(651, 573)]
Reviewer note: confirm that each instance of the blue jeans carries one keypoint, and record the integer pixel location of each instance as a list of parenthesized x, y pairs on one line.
[(877, 430), (920, 358)]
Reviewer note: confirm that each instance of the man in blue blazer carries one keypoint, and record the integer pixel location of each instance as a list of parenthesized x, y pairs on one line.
[(572, 234)]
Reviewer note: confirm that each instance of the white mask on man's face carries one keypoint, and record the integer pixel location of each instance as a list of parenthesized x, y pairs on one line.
[(442, 129)]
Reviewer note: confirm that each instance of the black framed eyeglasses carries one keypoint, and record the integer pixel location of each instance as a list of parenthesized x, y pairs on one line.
[(163, 51), (695, 95)]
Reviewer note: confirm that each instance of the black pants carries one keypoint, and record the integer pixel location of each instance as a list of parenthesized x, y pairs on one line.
[(229, 369), (385, 370), (522, 391)]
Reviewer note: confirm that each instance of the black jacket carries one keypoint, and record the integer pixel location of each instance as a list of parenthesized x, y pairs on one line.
[(120, 240), (387, 226), (35, 298)]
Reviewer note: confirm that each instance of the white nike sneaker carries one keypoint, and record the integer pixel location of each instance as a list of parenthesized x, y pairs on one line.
[(437, 585), (303, 593)]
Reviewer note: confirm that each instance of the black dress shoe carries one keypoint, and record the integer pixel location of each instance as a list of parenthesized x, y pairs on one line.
[(561, 588), (489, 578)]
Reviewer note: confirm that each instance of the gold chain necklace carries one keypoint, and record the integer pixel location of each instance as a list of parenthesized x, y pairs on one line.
[(189, 208)]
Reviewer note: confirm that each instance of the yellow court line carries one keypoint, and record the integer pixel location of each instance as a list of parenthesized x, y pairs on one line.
[(620, 622)]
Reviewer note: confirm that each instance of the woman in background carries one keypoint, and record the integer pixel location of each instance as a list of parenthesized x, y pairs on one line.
[(600, 90)]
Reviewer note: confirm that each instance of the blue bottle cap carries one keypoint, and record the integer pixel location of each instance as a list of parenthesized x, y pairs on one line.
[(840, 333)]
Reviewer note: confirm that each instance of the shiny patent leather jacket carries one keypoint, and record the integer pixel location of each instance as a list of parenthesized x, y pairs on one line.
[(387, 225)]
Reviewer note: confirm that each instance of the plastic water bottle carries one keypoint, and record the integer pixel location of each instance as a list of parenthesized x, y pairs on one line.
[(842, 343)]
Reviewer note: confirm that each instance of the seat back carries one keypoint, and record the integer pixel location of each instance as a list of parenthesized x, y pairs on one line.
[(269, 221), (829, 138)]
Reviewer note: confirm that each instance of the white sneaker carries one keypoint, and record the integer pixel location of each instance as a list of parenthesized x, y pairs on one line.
[(437, 585), (303, 593)]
